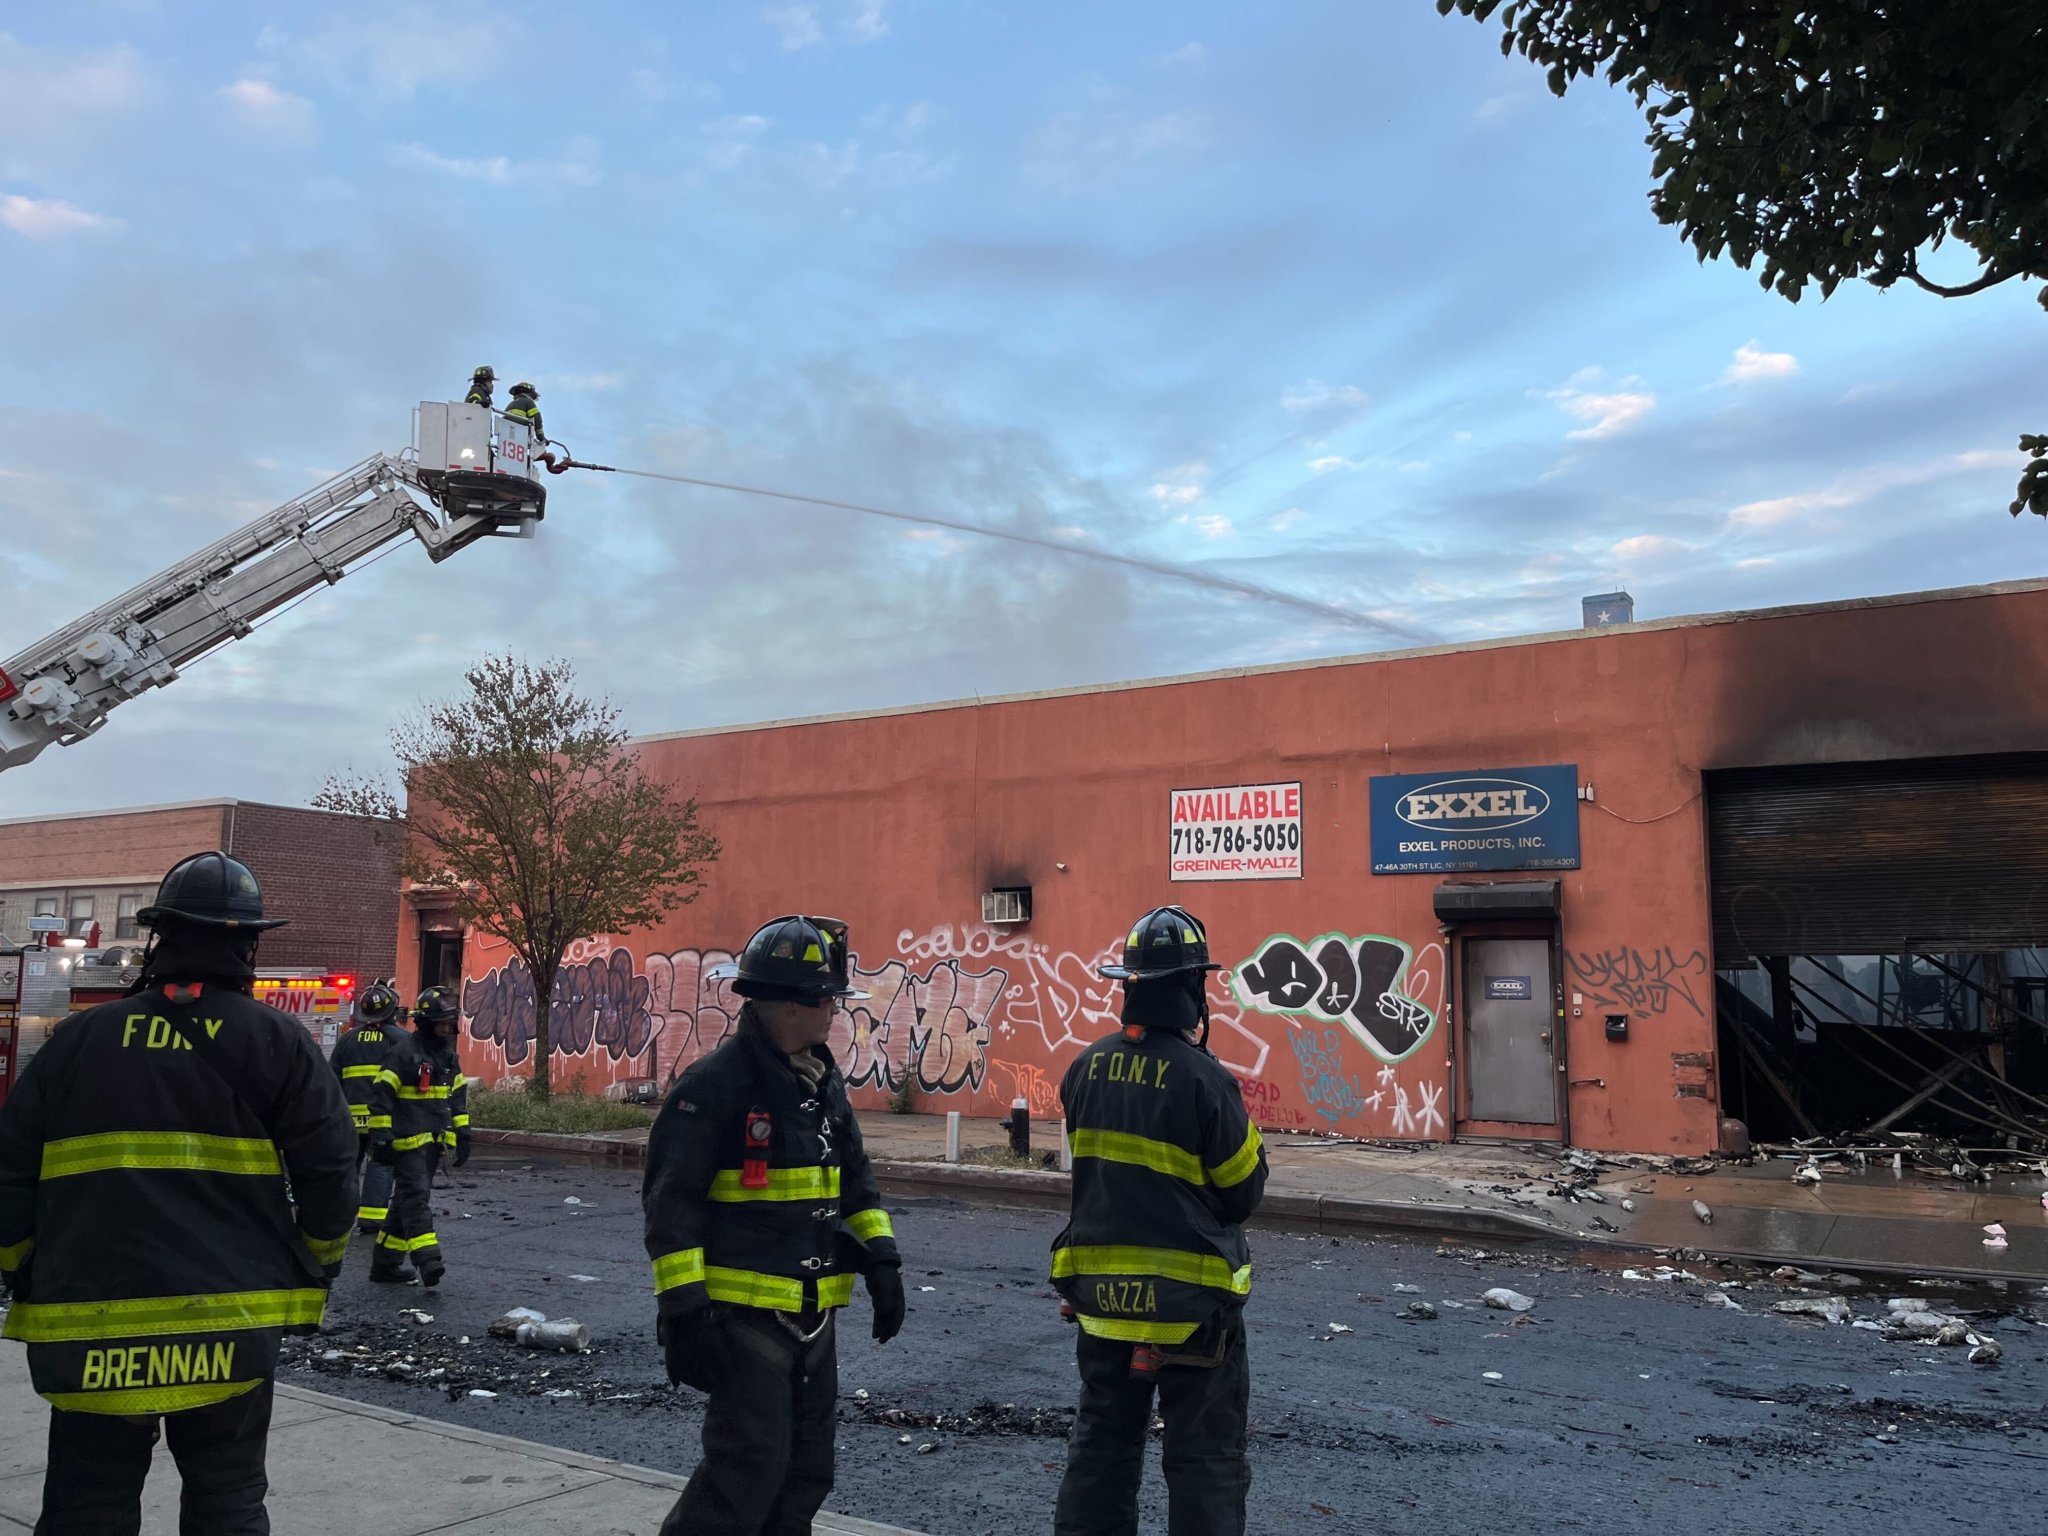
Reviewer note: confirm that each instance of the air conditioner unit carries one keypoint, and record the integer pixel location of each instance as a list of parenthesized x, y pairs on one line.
[(1006, 906)]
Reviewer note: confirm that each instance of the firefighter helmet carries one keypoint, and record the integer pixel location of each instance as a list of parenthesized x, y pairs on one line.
[(375, 1004), (524, 388), (435, 1006), (209, 890), (1164, 942), (485, 372), (795, 959)]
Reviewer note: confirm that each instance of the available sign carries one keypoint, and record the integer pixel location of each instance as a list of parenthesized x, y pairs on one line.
[(1239, 832), (1450, 823)]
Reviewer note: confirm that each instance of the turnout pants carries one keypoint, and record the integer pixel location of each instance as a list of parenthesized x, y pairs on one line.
[(1207, 1475), (768, 1433), (409, 1228), (98, 1463), (376, 1181)]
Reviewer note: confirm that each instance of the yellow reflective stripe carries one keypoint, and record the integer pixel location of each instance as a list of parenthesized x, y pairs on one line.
[(462, 1122), (1125, 1330), (378, 1122), (1139, 1151), (683, 1267), (399, 1244), (363, 1071), (440, 1091), (150, 1400), (61, 1322), (783, 1184), (13, 1253), (159, 1149), (460, 1081), (411, 1143), (360, 1114), (868, 1225), (835, 1290), (748, 1288), (387, 1077), (328, 1250), (1155, 1263), (1242, 1163), (372, 1212)]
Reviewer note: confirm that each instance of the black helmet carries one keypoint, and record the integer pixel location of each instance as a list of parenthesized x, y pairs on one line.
[(524, 388), (434, 1007), (1164, 942), (376, 1004), (485, 372), (794, 959), (212, 891)]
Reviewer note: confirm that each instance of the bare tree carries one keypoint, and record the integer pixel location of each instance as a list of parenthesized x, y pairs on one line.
[(523, 802)]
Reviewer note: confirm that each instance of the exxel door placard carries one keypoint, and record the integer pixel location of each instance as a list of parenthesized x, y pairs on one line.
[(1236, 832)]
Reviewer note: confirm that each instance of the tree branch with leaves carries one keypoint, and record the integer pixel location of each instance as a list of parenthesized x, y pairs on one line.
[(1827, 140), (523, 802)]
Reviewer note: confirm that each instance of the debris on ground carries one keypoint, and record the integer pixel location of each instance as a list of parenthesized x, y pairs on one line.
[(415, 1316), (1501, 1299), (1704, 1212), (507, 1326), (1808, 1173), (1421, 1312), (1407, 1290), (1829, 1309), (563, 1333), (1994, 1235), (1492, 1376), (1986, 1353), (1661, 1272), (984, 1418), (1723, 1299)]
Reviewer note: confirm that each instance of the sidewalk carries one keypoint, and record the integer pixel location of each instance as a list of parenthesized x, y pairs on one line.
[(1876, 1222), (458, 1482)]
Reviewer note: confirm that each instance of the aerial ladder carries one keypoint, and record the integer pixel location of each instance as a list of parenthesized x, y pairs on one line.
[(470, 474)]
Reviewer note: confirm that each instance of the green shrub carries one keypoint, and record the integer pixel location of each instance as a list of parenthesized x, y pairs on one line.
[(513, 1109)]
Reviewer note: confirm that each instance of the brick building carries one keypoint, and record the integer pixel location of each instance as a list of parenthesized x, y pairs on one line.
[(1605, 887), (335, 877)]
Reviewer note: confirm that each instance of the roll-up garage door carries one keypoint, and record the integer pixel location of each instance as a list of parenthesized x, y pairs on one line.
[(1935, 855)]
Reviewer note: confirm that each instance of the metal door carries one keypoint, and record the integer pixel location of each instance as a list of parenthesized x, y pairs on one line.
[(1510, 1023)]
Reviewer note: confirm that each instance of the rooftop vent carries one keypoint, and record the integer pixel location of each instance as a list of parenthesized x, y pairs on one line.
[(1603, 610)]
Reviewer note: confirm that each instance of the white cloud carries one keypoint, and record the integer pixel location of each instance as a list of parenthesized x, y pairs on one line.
[(1329, 463), (1078, 149), (798, 25), (1071, 531), (1753, 363), (1183, 485), (586, 383), (1215, 526), (1859, 486), (498, 170), (1186, 56), (45, 219), (262, 106), (42, 90), (393, 50), (1607, 413), (1280, 522), (942, 540), (1461, 437), (868, 23), (1413, 467), (1647, 546), (1315, 398), (1758, 563)]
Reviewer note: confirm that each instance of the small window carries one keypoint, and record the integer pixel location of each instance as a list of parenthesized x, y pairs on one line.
[(81, 916), (46, 906), (125, 926)]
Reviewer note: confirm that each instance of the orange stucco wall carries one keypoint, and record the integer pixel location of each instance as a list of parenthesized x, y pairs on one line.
[(899, 822)]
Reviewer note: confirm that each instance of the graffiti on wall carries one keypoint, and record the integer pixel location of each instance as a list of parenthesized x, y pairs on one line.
[(1642, 982), (1336, 1094), (598, 1003), (1372, 986)]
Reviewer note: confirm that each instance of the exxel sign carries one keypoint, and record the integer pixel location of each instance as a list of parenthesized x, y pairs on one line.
[(1454, 823)]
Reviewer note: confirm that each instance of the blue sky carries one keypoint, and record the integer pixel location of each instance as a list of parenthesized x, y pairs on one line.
[(1327, 297)]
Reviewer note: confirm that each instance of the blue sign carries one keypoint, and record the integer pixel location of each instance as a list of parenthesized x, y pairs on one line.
[(1510, 988), (1455, 823)]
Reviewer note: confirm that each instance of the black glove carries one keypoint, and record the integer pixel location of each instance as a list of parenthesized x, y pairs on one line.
[(380, 1152), (885, 1290), (461, 1150), (693, 1347)]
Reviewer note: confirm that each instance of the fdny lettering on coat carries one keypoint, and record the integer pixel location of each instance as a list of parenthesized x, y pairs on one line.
[(1136, 1071), (157, 1365), (158, 1033)]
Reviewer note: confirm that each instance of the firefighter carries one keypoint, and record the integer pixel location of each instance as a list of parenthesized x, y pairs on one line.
[(1153, 1264), (482, 384), (419, 1110), (177, 1178), (356, 1058), (525, 406), (761, 1208)]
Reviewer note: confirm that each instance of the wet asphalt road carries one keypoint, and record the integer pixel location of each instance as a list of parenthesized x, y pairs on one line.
[(1620, 1406)]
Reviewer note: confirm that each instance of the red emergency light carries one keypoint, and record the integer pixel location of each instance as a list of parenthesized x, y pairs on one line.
[(346, 985), (7, 686)]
